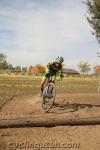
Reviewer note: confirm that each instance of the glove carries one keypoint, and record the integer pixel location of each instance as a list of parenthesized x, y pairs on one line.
[(61, 75)]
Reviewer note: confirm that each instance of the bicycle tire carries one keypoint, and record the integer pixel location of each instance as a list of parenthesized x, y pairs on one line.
[(45, 107)]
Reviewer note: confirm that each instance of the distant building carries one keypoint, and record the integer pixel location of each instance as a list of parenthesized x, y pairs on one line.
[(70, 72)]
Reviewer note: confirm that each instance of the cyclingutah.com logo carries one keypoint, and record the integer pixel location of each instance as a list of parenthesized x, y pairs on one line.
[(42, 146)]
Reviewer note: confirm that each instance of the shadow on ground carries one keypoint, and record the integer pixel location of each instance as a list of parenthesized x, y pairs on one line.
[(74, 106)]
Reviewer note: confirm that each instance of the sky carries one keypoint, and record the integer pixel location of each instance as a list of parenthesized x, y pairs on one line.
[(37, 31)]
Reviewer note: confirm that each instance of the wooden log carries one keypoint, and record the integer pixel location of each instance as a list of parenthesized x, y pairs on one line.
[(47, 121)]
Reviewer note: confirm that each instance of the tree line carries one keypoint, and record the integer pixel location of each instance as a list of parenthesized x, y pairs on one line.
[(7, 67), (84, 67)]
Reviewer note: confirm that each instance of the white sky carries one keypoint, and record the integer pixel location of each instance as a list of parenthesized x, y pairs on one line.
[(37, 31)]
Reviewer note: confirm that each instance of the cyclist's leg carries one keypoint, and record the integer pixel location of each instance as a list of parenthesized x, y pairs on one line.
[(45, 77), (42, 83)]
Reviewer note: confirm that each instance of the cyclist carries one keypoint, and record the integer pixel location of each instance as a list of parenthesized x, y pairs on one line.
[(52, 69)]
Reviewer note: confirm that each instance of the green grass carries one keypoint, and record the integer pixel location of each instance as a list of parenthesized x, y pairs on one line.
[(21, 86)]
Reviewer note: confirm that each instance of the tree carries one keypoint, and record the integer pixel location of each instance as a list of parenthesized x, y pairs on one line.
[(97, 69), (94, 18), (84, 67), (30, 70), (24, 69), (40, 68), (17, 69), (10, 67), (37, 69), (3, 62), (3, 58)]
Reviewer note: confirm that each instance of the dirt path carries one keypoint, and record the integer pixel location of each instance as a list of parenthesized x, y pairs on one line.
[(20, 107), (58, 138), (83, 105)]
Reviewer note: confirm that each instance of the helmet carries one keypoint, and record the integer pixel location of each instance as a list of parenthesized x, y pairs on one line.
[(60, 59)]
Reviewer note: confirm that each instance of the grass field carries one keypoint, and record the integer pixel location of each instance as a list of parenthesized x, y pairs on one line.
[(72, 101), (20, 85)]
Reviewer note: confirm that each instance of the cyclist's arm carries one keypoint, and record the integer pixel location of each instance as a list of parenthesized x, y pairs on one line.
[(61, 73), (61, 70)]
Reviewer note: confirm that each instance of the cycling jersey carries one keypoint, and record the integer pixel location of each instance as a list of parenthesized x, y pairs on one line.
[(52, 68)]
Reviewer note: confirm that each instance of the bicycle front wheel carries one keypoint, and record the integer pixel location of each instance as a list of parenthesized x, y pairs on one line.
[(48, 96)]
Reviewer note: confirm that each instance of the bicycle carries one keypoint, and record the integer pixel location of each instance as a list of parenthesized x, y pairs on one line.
[(49, 94)]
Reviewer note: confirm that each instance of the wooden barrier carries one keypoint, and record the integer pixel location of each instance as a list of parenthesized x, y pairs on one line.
[(47, 121)]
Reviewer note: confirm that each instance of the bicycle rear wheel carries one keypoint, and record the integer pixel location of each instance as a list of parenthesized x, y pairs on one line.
[(48, 96)]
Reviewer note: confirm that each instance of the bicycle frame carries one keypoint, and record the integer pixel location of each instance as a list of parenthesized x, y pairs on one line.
[(47, 99)]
